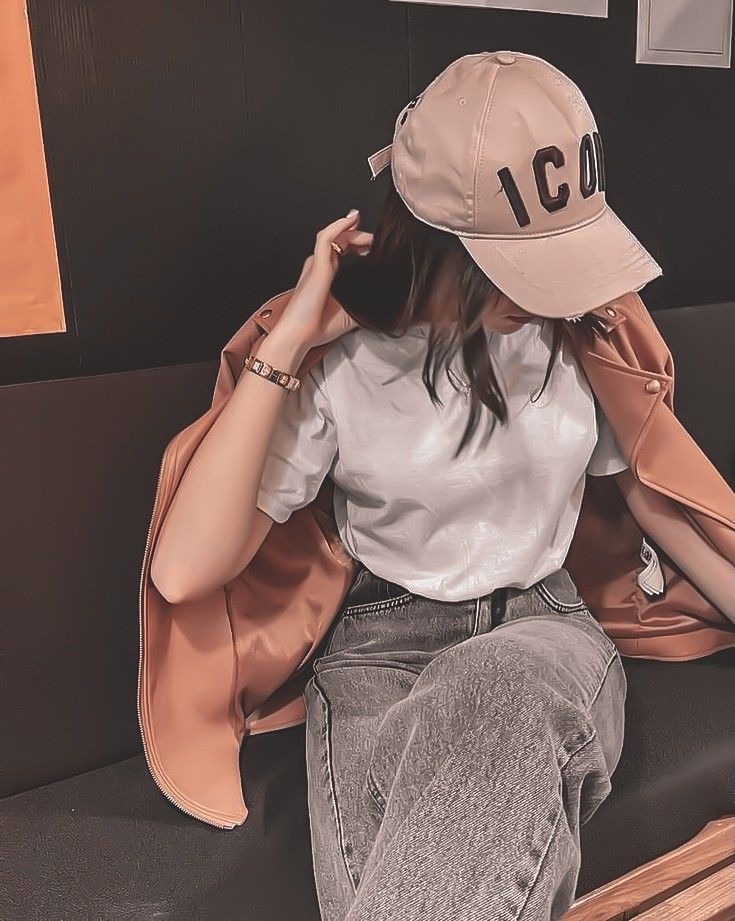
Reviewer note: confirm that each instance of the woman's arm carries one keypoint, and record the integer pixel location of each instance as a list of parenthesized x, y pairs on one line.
[(213, 527)]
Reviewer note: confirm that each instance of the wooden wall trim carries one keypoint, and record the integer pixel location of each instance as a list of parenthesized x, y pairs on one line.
[(30, 286)]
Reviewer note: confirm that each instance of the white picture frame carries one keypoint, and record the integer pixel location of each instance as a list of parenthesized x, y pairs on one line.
[(596, 8), (689, 33)]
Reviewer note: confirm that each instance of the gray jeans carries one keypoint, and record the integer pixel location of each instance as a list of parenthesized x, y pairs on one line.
[(454, 749)]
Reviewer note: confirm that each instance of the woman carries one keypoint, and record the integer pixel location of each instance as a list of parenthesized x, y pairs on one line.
[(466, 711), (475, 805)]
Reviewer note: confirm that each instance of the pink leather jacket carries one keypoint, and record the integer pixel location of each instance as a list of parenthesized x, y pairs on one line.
[(234, 663)]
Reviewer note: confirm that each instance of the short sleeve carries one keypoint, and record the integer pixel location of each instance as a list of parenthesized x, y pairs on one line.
[(301, 450), (607, 458)]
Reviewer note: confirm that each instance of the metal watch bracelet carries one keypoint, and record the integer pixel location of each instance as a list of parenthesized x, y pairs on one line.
[(262, 368)]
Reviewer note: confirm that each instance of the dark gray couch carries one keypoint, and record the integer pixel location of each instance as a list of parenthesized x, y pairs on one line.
[(85, 832)]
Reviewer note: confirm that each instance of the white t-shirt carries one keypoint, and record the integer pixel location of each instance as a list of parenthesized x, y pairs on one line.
[(502, 513)]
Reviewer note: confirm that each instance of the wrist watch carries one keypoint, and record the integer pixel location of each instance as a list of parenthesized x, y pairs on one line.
[(282, 378)]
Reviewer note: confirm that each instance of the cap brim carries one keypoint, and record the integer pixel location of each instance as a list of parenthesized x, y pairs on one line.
[(567, 273)]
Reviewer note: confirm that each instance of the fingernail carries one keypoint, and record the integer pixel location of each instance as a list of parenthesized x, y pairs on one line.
[(352, 211)]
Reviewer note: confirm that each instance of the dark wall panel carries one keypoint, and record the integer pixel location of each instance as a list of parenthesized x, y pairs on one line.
[(194, 148)]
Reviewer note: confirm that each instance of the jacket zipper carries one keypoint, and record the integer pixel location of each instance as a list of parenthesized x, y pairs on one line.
[(140, 660)]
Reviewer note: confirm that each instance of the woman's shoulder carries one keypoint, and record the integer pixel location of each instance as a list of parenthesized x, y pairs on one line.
[(338, 358), (355, 349)]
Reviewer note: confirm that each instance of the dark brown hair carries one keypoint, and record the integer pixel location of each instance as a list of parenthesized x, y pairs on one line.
[(387, 290)]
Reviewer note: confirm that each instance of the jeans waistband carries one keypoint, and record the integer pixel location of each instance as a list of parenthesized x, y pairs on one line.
[(367, 587)]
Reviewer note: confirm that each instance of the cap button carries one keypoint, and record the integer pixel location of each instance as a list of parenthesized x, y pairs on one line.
[(505, 57), (653, 386)]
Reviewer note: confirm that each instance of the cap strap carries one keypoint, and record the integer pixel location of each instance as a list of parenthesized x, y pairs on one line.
[(379, 160)]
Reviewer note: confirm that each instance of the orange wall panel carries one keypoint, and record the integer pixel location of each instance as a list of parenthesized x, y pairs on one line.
[(30, 288)]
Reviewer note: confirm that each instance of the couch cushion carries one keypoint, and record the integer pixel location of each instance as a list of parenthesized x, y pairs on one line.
[(677, 768), (700, 339), (107, 844), (76, 493)]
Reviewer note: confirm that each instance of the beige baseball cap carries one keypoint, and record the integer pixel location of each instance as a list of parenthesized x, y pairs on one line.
[(502, 149)]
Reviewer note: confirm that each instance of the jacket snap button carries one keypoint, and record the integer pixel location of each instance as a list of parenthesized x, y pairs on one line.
[(610, 311), (266, 313), (653, 386)]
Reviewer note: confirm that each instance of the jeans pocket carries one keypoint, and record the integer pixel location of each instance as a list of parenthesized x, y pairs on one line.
[(369, 596), (369, 593), (370, 607), (559, 594), (394, 625)]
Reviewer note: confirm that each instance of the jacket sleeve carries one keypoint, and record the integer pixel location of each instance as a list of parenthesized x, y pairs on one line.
[(301, 451), (667, 524)]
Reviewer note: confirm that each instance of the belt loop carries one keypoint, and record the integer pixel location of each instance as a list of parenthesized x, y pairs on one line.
[(498, 604)]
